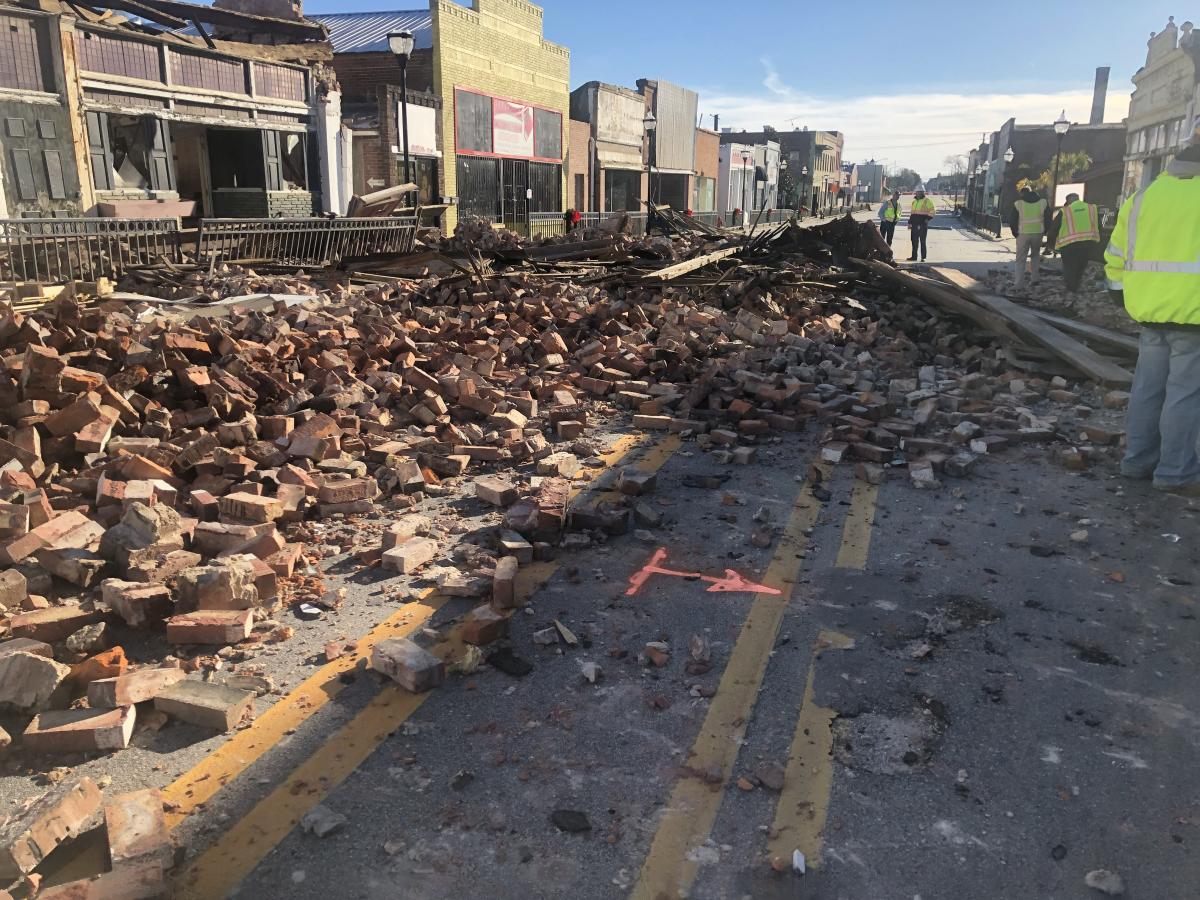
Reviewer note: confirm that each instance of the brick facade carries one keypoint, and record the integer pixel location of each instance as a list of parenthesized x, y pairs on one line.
[(579, 166), (494, 47), (361, 75)]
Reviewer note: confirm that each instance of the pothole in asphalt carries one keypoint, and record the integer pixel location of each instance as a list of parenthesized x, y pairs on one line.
[(886, 745)]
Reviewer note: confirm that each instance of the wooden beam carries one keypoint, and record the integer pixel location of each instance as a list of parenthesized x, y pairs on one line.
[(1031, 326), (691, 265), (940, 296), (158, 17), (1093, 334)]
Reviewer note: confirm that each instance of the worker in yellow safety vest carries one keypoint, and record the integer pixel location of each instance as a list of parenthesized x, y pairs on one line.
[(1029, 222), (889, 215), (1153, 266), (920, 214), (1075, 233)]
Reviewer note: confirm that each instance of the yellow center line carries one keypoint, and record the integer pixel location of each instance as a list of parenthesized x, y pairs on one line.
[(199, 784), (668, 872), (808, 779), (240, 849), (856, 535)]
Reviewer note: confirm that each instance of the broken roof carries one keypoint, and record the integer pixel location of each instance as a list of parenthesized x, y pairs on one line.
[(366, 32)]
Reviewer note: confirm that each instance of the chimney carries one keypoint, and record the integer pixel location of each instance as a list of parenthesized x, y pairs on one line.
[(275, 9), (716, 121), (1099, 95)]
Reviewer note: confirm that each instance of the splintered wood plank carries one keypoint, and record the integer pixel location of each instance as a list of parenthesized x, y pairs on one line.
[(1041, 332)]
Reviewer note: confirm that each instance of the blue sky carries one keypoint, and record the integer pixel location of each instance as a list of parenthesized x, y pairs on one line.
[(911, 82)]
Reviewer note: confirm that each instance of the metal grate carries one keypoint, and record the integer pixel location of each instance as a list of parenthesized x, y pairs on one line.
[(61, 250), (302, 242)]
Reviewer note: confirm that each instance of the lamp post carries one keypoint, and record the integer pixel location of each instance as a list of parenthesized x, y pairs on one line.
[(649, 123), (401, 44), (1009, 156), (1061, 127), (783, 166), (745, 167)]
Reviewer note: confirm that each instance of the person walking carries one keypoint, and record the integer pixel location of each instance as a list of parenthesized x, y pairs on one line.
[(1152, 267), (1075, 233), (1029, 222), (920, 214), (889, 215)]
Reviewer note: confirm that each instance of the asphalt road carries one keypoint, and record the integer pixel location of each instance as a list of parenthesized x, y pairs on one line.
[(938, 694)]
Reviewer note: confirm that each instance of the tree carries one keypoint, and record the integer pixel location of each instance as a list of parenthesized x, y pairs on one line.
[(904, 179), (1070, 166)]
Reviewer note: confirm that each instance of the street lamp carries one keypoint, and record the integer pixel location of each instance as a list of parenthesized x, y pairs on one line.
[(783, 165), (1061, 127), (401, 44), (1009, 156), (649, 123), (745, 166), (804, 184)]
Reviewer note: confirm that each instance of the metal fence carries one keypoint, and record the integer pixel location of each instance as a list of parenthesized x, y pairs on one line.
[(988, 222), (302, 242), (83, 249)]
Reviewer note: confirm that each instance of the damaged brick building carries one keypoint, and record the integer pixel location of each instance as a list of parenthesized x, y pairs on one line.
[(167, 109)]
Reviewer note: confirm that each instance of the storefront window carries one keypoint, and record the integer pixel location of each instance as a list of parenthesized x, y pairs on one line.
[(130, 142)]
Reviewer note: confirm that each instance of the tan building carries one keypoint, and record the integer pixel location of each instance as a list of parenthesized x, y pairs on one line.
[(505, 97), (579, 166), (1163, 101)]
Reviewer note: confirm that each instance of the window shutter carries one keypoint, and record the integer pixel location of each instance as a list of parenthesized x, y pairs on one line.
[(23, 170), (99, 150), (54, 174), (271, 161), (162, 174)]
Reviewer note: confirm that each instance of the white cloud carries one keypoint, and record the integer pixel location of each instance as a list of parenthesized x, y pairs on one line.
[(909, 129)]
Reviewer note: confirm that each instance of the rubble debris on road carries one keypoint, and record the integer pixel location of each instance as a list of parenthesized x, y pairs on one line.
[(180, 463)]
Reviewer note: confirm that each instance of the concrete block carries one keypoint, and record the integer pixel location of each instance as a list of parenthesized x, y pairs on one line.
[(409, 665), (29, 835), (205, 704)]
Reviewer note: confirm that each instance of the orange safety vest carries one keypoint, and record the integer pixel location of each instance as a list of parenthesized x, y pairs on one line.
[(1080, 222)]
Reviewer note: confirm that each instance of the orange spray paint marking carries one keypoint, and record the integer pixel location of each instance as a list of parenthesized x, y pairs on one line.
[(731, 581)]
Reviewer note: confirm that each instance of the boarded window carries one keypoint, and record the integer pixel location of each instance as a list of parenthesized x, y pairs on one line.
[(278, 81), (547, 134), (208, 72), (117, 56), (22, 51), (473, 121)]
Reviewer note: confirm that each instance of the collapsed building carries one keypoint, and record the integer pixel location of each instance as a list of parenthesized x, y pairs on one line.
[(166, 109)]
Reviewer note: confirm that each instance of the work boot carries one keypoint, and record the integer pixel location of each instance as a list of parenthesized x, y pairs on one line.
[(912, 259), (1191, 489)]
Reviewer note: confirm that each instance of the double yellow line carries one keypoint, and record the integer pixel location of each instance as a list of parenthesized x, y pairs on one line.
[(670, 868), (239, 850)]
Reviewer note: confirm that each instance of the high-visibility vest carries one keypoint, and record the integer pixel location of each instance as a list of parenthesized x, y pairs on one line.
[(1154, 254), (1031, 216), (1080, 222), (891, 211), (923, 207)]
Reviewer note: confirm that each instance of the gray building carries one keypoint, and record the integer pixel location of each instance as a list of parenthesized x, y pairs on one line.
[(672, 142), (870, 182), (614, 117)]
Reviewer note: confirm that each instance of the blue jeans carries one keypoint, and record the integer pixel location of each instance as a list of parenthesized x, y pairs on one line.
[(1163, 422)]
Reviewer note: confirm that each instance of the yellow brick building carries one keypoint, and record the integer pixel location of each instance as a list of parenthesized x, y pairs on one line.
[(505, 90)]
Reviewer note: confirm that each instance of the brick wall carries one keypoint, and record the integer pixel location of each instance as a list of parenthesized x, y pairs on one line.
[(289, 204), (496, 47), (239, 204), (361, 74), (579, 162)]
